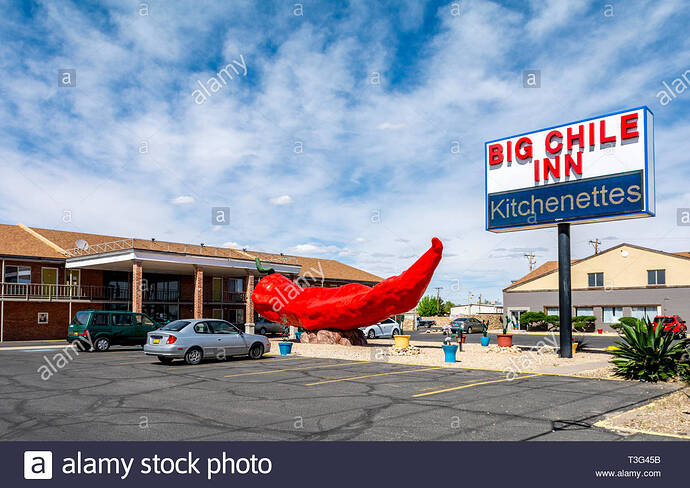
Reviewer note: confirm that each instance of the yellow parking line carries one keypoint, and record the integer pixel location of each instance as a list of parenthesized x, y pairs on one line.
[(443, 386), (371, 376), (473, 384), (317, 366)]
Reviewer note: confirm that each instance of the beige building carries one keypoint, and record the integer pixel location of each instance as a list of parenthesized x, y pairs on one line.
[(624, 281)]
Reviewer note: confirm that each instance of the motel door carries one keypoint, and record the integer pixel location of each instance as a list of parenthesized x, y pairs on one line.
[(49, 278)]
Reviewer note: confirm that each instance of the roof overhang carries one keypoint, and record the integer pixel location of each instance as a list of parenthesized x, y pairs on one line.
[(164, 262)]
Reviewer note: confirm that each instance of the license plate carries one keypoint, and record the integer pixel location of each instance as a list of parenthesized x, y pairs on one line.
[(156, 341)]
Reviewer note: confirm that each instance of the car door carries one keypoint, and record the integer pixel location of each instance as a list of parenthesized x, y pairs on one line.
[(205, 338), (387, 327), (123, 328), (100, 324), (230, 338)]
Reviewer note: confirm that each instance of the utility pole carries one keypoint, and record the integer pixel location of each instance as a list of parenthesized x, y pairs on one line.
[(530, 258), (595, 243), (438, 299)]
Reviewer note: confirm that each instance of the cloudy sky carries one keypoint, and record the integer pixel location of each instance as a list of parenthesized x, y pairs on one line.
[(346, 130)]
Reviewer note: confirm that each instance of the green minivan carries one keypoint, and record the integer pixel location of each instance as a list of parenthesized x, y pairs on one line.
[(100, 329)]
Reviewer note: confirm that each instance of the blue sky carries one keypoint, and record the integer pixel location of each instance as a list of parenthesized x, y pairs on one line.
[(341, 140)]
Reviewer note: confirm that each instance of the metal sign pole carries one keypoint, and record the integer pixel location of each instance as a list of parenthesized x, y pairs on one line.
[(565, 310)]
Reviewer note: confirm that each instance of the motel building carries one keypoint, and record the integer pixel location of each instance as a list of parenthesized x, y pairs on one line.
[(623, 281), (49, 275)]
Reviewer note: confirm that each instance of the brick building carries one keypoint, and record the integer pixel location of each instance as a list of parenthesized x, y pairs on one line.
[(49, 275)]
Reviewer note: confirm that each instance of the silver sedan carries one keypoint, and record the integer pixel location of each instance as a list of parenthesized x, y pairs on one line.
[(194, 340)]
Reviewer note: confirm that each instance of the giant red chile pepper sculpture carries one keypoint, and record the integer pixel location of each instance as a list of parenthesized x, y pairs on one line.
[(346, 307)]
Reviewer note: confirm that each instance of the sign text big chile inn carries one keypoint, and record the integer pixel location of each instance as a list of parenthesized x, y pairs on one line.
[(587, 171)]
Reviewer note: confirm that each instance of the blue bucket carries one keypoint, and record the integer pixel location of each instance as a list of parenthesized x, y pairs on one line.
[(298, 335), (485, 340), (285, 348), (449, 351)]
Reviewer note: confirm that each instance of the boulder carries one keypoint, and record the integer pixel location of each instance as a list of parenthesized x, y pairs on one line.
[(332, 336)]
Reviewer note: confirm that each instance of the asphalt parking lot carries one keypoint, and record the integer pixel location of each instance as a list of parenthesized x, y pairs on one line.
[(124, 395)]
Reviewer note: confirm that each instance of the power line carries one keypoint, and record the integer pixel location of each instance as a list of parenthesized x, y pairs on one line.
[(595, 243), (438, 299), (530, 258)]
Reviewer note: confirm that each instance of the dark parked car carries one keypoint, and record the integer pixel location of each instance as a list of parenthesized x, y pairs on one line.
[(264, 327), (425, 323), (99, 329), (469, 325)]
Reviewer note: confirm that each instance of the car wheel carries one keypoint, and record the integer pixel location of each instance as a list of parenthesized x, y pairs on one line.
[(681, 334), (371, 334), (395, 332), (262, 331), (165, 359), (256, 351), (469, 329), (193, 356), (101, 344)]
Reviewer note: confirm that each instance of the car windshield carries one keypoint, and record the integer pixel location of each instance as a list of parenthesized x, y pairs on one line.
[(82, 318), (176, 326)]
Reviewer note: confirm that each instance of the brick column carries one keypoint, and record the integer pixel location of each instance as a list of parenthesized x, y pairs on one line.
[(198, 292), (249, 305), (137, 286)]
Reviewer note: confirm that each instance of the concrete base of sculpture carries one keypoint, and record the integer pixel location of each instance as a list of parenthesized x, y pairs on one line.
[(332, 336)]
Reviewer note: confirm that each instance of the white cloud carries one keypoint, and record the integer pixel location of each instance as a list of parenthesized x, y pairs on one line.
[(365, 147), (390, 126), (233, 245), (183, 200), (281, 200)]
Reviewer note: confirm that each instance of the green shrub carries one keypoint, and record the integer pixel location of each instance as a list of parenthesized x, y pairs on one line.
[(554, 321), (527, 318), (645, 354), (584, 323), (630, 321), (534, 320)]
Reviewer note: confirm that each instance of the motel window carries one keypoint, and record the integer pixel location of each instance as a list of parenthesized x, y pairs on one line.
[(612, 314), (656, 277), (551, 310), (235, 285), (584, 312), (595, 279), (17, 274), (644, 312)]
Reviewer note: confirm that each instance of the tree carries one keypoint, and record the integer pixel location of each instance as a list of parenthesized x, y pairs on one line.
[(427, 306), (446, 307)]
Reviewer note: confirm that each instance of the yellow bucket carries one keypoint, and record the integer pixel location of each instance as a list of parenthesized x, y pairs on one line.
[(575, 344), (402, 341)]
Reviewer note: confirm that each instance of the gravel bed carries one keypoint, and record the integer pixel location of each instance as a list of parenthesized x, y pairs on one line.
[(472, 356), (669, 415)]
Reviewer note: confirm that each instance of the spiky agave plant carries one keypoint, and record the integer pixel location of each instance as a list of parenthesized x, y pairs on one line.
[(646, 354)]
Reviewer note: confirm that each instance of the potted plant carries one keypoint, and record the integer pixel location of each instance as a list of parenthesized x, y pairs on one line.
[(485, 334), (505, 339), (285, 345), (401, 341), (449, 349)]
